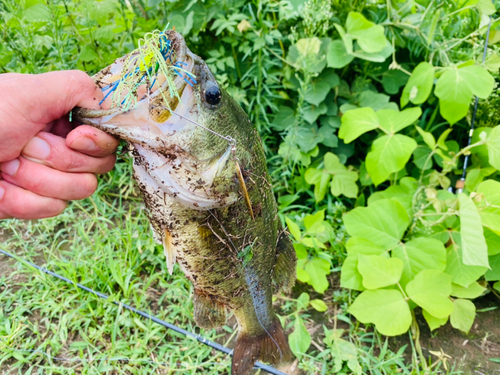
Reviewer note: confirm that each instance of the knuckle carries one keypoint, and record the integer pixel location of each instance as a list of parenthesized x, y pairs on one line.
[(108, 164), (89, 185), (59, 207), (79, 83)]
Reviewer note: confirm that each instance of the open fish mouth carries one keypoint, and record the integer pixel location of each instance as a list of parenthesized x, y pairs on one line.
[(145, 97), (150, 100)]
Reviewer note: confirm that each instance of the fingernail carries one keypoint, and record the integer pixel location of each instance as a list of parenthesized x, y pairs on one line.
[(2, 191), (10, 167), (83, 144), (37, 149)]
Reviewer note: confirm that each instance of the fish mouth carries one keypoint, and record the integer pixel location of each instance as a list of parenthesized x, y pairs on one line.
[(158, 115), (149, 94)]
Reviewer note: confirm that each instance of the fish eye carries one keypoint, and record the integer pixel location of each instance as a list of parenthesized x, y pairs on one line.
[(213, 95)]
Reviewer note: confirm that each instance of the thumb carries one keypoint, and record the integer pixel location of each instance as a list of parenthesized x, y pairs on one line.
[(46, 97)]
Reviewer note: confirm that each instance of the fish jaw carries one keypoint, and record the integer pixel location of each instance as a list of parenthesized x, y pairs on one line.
[(183, 177)]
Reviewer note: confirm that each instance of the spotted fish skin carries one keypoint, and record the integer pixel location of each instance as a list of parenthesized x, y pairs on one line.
[(211, 204)]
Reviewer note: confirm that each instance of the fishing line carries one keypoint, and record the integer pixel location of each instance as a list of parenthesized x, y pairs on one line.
[(461, 182), (144, 314)]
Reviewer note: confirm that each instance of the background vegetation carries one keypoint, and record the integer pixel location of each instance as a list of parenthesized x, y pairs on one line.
[(364, 108)]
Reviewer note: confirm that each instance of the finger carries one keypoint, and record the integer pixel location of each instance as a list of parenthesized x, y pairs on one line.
[(35, 101), (51, 150), (48, 182), (49, 96), (4, 216), (23, 204), (92, 141)]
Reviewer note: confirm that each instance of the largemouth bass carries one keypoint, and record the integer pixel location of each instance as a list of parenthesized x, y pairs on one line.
[(201, 169)]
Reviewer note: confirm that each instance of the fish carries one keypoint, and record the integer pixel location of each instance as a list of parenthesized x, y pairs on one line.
[(200, 166)]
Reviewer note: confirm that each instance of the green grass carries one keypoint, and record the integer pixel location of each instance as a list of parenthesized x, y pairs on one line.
[(105, 243)]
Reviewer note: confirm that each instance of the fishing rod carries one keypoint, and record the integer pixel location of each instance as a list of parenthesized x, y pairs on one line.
[(173, 327)]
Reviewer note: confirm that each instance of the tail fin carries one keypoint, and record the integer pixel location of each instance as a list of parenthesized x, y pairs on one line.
[(271, 346)]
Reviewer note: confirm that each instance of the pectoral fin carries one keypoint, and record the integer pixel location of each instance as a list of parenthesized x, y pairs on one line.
[(169, 250), (244, 190)]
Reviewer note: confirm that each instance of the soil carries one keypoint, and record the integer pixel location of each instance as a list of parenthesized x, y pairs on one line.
[(471, 353)]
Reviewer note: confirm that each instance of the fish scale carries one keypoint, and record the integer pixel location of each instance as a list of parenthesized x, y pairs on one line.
[(213, 211)]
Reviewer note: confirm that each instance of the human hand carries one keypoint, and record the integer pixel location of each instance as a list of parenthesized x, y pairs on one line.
[(43, 161)]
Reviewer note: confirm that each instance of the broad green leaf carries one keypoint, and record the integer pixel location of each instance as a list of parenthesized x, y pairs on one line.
[(307, 137), (393, 79), (474, 249), (374, 100), (345, 183), (489, 206), (303, 300), (419, 254), (383, 222), (422, 157), (387, 309), (314, 223), (492, 241), (320, 180), (350, 277), (293, 228), (403, 193), (337, 56), (300, 250), (463, 315), (316, 92), (284, 118), (378, 271), (359, 245), (329, 139), (345, 351), (333, 164), (456, 86), (394, 121), (312, 112), (369, 36), (419, 86), (88, 53), (356, 122), (308, 46), (442, 139), (37, 13), (461, 273), (317, 269), (486, 7), (318, 305), (377, 56), (302, 275), (476, 176), (299, 339), (493, 146), (389, 154), (345, 38), (472, 291), (329, 76), (431, 289), (432, 321), (428, 137), (493, 274)]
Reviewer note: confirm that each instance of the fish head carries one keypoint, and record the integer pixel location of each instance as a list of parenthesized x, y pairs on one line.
[(184, 128)]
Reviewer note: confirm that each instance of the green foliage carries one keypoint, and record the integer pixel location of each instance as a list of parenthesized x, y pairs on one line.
[(364, 110)]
